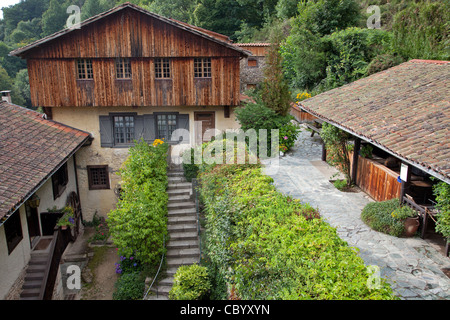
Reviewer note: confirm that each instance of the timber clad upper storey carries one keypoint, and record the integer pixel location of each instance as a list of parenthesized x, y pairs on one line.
[(165, 63)]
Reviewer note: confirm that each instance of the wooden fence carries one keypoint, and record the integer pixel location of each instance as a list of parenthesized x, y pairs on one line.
[(300, 115), (376, 180)]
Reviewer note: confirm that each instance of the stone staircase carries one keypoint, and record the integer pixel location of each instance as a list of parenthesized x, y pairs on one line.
[(183, 246), (35, 272)]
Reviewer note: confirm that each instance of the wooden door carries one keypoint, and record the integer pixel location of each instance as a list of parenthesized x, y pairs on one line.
[(33, 223), (208, 121)]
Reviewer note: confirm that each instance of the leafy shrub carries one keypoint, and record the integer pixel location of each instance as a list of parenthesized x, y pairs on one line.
[(340, 184), (139, 222), (190, 283), (288, 134), (190, 169), (403, 212), (378, 216), (270, 246), (130, 286), (442, 193)]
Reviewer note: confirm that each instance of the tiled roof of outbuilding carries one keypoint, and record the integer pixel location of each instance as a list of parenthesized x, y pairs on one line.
[(31, 150), (405, 110)]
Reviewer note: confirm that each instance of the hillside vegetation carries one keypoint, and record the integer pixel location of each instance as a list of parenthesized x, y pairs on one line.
[(326, 43)]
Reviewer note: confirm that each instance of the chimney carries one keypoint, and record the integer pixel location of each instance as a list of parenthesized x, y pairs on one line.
[(6, 96)]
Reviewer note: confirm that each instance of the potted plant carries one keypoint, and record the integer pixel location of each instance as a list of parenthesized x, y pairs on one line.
[(410, 219), (67, 220)]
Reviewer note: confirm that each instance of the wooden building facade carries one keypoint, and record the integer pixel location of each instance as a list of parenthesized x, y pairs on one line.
[(128, 74)]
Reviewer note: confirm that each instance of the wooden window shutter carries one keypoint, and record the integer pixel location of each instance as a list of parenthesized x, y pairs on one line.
[(106, 132), (183, 123), (139, 128), (149, 128)]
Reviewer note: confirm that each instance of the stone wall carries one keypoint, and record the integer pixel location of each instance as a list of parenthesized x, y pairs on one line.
[(251, 75)]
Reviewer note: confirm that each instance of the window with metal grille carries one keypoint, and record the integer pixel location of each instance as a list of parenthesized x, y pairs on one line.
[(202, 67), (123, 68), (84, 69), (123, 129), (162, 68), (167, 124), (98, 177)]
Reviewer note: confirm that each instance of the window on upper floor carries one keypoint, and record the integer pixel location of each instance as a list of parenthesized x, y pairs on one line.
[(13, 231), (162, 68), (202, 67), (124, 129), (123, 68), (84, 69), (59, 181)]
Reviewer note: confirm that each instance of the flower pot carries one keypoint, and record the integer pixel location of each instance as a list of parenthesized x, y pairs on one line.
[(63, 227), (411, 226)]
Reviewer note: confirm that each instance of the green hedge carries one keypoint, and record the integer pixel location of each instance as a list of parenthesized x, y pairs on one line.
[(190, 283), (378, 216), (139, 222), (265, 245)]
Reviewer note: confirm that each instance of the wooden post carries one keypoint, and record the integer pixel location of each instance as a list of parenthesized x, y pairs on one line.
[(355, 159), (324, 151)]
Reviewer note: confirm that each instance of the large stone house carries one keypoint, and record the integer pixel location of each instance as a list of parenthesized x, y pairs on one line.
[(128, 74)]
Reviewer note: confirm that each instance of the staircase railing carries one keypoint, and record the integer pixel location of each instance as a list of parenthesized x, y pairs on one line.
[(197, 210), (157, 273)]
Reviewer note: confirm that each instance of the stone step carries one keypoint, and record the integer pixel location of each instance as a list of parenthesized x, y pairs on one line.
[(183, 236), (182, 244), (183, 253), (162, 290), (36, 268), (176, 262), (180, 185), (33, 292), (176, 179), (179, 192), (166, 281), (30, 284), (175, 173), (175, 212), (34, 276), (182, 227), (179, 198), (182, 219), (38, 260), (180, 205)]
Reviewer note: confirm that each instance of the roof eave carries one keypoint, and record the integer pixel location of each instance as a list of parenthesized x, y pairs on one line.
[(428, 170)]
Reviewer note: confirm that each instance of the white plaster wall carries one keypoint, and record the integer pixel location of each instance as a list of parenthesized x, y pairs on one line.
[(87, 119)]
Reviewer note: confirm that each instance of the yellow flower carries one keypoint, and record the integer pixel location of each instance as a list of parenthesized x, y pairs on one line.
[(157, 142)]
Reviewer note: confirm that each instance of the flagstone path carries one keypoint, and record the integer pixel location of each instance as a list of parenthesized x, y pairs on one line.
[(412, 266)]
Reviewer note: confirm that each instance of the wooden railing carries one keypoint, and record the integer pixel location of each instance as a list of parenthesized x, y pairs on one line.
[(57, 247)]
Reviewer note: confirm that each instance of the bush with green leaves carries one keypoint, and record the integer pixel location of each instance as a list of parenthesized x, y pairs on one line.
[(129, 286), (139, 222), (378, 216), (265, 245), (190, 283), (442, 192)]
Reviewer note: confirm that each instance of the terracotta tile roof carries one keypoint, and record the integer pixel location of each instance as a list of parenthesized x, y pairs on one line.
[(253, 44), (405, 110), (31, 149)]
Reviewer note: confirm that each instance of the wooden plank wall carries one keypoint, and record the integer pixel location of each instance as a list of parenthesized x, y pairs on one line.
[(376, 180), (300, 115), (134, 35)]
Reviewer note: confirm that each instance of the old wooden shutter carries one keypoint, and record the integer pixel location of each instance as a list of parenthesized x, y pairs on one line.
[(139, 128), (183, 123), (106, 132), (149, 128)]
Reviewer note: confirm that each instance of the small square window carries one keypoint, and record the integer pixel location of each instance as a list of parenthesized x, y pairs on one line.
[(162, 68), (202, 67), (252, 62), (123, 68), (84, 69), (98, 177), (167, 124)]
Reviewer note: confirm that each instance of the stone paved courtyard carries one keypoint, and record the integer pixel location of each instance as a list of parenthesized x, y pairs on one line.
[(412, 266)]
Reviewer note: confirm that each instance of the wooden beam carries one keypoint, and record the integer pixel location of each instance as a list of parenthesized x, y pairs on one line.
[(355, 158)]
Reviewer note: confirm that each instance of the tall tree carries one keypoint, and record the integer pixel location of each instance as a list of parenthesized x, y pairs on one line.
[(275, 92), (54, 19)]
